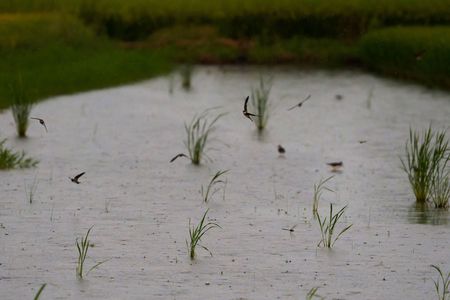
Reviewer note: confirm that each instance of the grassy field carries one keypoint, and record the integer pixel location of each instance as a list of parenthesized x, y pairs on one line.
[(67, 46)]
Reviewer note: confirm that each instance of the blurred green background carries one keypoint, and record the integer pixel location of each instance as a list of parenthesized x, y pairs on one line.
[(60, 47)]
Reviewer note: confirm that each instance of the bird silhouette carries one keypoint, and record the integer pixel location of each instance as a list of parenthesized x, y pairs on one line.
[(301, 103), (75, 179), (42, 123), (281, 149), (292, 229), (177, 156), (246, 113), (335, 165)]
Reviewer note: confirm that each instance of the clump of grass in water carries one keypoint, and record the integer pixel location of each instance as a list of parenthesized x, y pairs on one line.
[(83, 247), (198, 132), (11, 160), (197, 232), (440, 186), (21, 107), (186, 72), (214, 181), (424, 155), (318, 190), (327, 227), (442, 291), (39, 292), (260, 102)]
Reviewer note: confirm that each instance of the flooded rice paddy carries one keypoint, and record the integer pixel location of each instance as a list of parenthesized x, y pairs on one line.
[(140, 204)]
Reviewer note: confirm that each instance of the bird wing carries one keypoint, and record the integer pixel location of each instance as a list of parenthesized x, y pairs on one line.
[(36, 119), (78, 176), (293, 107), (245, 103), (176, 156), (43, 124), (304, 100)]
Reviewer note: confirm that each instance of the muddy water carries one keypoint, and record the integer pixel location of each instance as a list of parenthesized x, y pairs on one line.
[(140, 204)]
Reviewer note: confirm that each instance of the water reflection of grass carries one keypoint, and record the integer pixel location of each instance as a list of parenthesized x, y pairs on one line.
[(421, 213)]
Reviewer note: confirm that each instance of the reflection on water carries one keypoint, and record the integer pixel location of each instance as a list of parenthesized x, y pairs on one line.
[(422, 213)]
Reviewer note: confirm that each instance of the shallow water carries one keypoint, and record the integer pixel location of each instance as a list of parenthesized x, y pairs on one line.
[(140, 204)]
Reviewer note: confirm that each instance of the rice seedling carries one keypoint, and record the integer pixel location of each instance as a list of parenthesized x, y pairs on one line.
[(424, 155), (313, 294), (30, 190), (327, 227), (197, 232), (260, 102), (442, 291), (39, 292), (11, 160), (83, 247), (198, 133), (186, 72), (318, 190), (440, 186), (207, 193), (21, 107)]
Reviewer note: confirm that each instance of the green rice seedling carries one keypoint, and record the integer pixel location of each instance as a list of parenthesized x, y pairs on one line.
[(38, 294), (207, 193), (197, 232), (260, 102), (198, 133), (30, 190), (440, 186), (424, 155), (327, 227), (318, 190), (442, 291), (82, 247), (21, 107), (11, 160), (313, 294), (186, 72)]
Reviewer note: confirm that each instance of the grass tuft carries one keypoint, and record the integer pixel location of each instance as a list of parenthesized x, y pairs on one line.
[(83, 247), (260, 102), (30, 190), (313, 294), (440, 185), (425, 155), (198, 133), (327, 228), (318, 190), (39, 292), (11, 160), (186, 72), (197, 232), (21, 107), (207, 193), (442, 291)]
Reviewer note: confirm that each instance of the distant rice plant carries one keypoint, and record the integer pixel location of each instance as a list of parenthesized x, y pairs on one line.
[(327, 227), (39, 292), (440, 186), (198, 132), (313, 294), (30, 190), (186, 72), (197, 232), (318, 190), (11, 160), (207, 193), (21, 107), (424, 155), (260, 102), (83, 247), (442, 291)]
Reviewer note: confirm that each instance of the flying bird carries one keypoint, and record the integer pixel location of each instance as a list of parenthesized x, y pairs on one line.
[(42, 123), (290, 229), (281, 149), (301, 103), (75, 179), (177, 156), (335, 165), (246, 113)]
